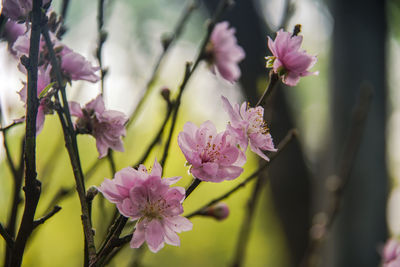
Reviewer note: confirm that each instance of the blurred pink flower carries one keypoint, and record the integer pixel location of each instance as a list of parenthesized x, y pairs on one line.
[(391, 254), (42, 82), (149, 199), (76, 67), (287, 59), (248, 125), (73, 65), (18, 9), (214, 156), (107, 126), (12, 31), (219, 211), (224, 53)]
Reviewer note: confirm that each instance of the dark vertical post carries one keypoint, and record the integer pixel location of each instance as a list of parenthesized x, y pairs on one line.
[(359, 40)]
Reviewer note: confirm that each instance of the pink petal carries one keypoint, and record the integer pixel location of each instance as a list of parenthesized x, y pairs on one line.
[(154, 235), (138, 236)]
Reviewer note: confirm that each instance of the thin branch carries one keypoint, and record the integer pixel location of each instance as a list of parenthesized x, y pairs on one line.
[(223, 4), (10, 161), (16, 200), (47, 216), (3, 21), (282, 145), (156, 138), (110, 157), (342, 177), (9, 240), (273, 81), (101, 38), (167, 44), (14, 123), (112, 239), (192, 187), (72, 148), (247, 222), (32, 185), (64, 8)]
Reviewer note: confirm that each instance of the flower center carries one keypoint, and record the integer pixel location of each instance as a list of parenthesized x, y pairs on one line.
[(153, 210), (211, 152), (256, 121)]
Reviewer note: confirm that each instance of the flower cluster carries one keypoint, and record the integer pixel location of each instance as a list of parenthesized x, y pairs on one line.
[(216, 157), (149, 199), (73, 65), (223, 53), (107, 126), (18, 9), (287, 60)]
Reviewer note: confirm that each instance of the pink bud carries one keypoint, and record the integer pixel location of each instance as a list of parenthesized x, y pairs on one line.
[(220, 211)]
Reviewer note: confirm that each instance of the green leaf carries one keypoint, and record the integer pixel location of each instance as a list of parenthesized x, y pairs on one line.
[(45, 90)]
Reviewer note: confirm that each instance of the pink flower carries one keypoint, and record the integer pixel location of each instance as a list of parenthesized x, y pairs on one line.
[(248, 125), (149, 199), (287, 59), (391, 253), (76, 67), (18, 9), (73, 65), (12, 31), (43, 109), (107, 126), (224, 53), (214, 156)]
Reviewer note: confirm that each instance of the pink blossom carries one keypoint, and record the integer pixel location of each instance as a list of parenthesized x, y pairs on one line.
[(12, 31), (248, 125), (149, 199), (42, 82), (224, 53), (18, 9), (107, 126), (214, 156), (73, 65), (391, 253), (76, 67), (287, 59)]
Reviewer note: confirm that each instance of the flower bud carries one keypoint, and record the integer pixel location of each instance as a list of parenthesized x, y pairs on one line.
[(165, 93), (220, 211)]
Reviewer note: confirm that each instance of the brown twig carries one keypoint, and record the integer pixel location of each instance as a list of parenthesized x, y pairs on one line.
[(32, 185), (189, 70), (195, 183), (42, 220), (167, 44), (273, 81), (7, 237), (101, 38), (14, 123), (72, 148), (319, 231), (157, 137)]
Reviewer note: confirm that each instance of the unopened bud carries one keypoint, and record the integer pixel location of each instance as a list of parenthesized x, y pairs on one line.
[(296, 29), (219, 211), (165, 93)]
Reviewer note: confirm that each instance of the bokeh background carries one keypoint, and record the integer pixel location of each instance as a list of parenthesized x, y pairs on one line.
[(357, 44)]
